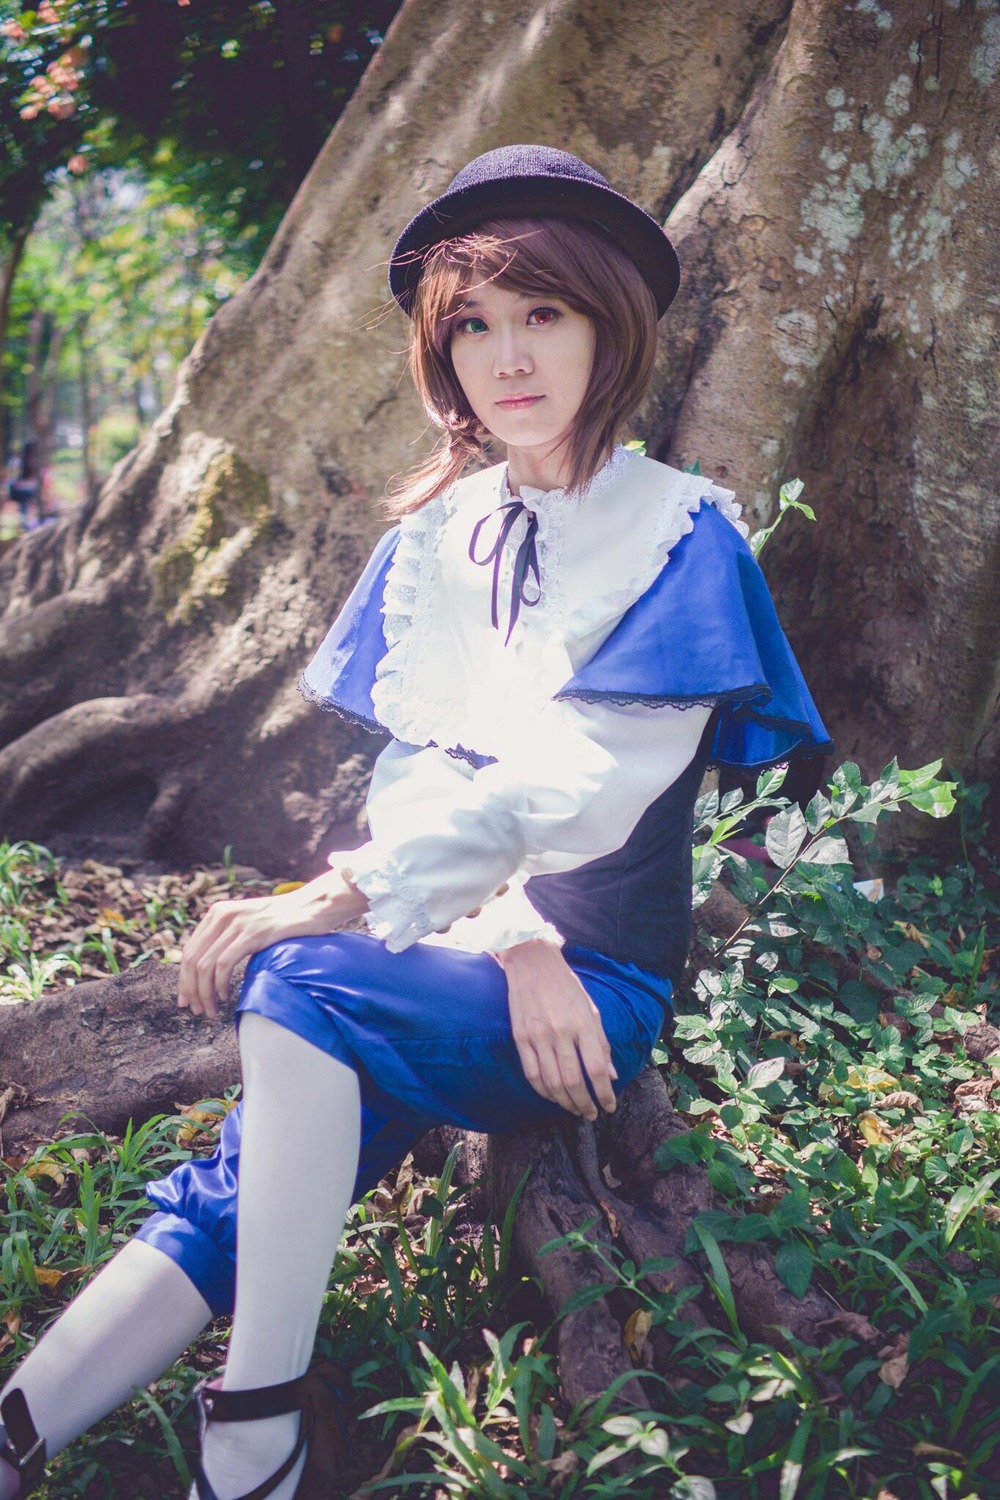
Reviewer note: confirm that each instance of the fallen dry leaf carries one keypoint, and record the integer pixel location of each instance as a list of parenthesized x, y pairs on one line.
[(875, 1131), (636, 1338), (851, 1325), (52, 1281), (895, 1361), (46, 1167), (563, 1464), (903, 1099), (932, 1450), (613, 1222), (974, 1094), (199, 1122)]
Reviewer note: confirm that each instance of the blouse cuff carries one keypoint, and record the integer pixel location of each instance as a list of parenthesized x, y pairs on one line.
[(396, 912)]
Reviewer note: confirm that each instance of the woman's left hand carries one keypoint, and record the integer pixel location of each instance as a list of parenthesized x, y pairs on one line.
[(232, 930), (557, 1029)]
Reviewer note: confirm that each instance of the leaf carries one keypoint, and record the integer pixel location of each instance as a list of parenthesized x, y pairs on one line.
[(874, 1130), (636, 1337), (937, 801), (794, 1263), (695, 1487), (828, 851), (702, 1053), (769, 781), (902, 1099), (863, 1076), (785, 835), (683, 1150), (960, 1205), (765, 1072), (791, 1469), (741, 1424), (895, 1361), (818, 811), (655, 1444), (52, 1280)]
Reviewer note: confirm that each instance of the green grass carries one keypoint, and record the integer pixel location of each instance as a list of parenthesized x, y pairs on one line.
[(821, 1062)]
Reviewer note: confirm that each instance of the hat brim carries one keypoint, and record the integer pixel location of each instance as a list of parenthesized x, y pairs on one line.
[(631, 228)]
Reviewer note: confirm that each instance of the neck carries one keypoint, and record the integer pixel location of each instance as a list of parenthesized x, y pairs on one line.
[(539, 470)]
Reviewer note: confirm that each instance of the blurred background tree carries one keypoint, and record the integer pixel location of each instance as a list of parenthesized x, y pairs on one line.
[(147, 155)]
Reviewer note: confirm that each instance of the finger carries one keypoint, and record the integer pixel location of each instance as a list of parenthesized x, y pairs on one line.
[(199, 942), (238, 947), (574, 1082), (549, 1079), (595, 1056), (205, 979), (532, 1066)]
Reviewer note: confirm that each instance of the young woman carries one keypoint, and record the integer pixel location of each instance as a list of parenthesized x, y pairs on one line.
[(558, 645)]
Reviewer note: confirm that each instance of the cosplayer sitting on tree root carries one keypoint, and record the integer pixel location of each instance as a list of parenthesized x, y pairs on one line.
[(558, 646)]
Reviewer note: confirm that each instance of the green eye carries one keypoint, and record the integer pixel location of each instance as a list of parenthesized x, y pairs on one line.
[(474, 325)]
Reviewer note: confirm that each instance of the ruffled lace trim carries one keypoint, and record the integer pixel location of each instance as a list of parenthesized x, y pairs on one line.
[(675, 520), (420, 701), (406, 608), (396, 911), (320, 700)]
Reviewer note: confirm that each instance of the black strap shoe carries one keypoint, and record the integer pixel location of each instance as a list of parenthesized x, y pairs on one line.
[(317, 1395), (25, 1453)]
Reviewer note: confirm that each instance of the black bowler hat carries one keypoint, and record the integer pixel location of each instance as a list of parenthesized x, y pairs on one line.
[(534, 180)]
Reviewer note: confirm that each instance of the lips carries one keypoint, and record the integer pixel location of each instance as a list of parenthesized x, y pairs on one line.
[(516, 403)]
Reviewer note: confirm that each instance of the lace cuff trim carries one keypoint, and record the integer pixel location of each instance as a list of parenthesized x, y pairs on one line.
[(544, 930), (396, 912)]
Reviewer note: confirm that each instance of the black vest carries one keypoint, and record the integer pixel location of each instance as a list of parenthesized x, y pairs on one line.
[(635, 904)]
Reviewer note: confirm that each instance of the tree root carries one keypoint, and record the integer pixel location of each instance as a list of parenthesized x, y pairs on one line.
[(119, 1049), (106, 1052), (645, 1216)]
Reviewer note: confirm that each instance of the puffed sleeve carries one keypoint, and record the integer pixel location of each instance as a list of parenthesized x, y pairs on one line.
[(571, 789)]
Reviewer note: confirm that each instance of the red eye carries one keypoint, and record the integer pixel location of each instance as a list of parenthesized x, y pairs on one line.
[(539, 316)]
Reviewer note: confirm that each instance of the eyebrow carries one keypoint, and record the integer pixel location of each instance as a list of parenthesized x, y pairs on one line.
[(521, 297)]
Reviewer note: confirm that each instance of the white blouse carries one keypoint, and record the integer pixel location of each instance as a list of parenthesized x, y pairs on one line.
[(452, 846)]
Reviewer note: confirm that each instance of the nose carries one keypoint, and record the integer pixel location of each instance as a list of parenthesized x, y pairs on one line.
[(512, 355)]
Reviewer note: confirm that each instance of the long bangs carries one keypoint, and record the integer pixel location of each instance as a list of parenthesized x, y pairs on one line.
[(551, 256)]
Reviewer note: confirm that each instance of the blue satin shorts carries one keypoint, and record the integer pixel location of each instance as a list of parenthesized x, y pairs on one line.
[(428, 1033)]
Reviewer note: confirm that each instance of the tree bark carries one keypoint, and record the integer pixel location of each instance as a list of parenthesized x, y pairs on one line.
[(829, 175), (844, 237), (103, 1053), (222, 545)]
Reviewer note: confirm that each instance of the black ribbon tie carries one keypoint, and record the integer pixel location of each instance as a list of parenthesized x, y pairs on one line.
[(525, 561)]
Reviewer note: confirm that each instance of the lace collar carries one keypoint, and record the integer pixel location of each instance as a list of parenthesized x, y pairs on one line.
[(447, 676), (547, 502)]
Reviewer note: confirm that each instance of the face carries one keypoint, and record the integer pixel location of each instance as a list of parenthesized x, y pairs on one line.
[(524, 363)]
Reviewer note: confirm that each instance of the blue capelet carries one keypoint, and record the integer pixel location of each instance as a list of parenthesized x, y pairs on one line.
[(704, 632)]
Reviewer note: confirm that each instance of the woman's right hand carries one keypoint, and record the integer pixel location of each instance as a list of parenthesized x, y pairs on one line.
[(232, 930), (557, 1029)]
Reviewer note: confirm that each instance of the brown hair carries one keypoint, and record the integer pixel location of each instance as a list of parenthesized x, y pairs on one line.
[(545, 256)]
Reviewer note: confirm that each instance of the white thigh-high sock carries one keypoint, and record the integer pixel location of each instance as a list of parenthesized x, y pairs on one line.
[(129, 1325), (298, 1161)]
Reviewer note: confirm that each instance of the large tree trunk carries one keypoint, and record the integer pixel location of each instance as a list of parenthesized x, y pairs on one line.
[(829, 173)]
